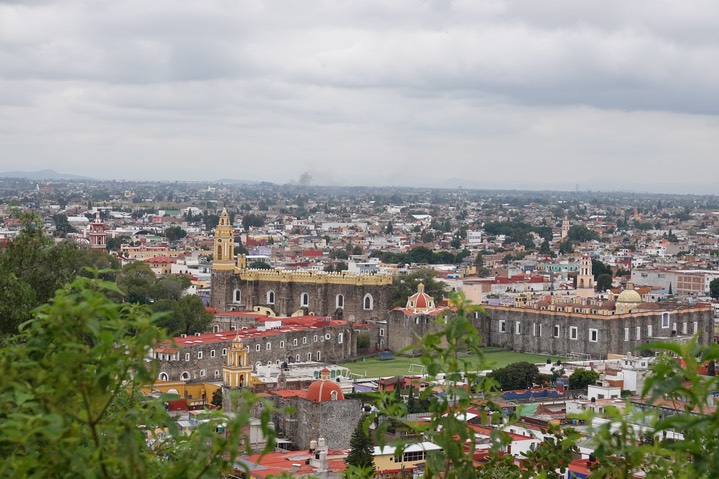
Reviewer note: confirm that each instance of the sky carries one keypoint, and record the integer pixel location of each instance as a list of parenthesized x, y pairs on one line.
[(553, 94)]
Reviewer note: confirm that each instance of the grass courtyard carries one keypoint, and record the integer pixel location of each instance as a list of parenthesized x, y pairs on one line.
[(400, 366)]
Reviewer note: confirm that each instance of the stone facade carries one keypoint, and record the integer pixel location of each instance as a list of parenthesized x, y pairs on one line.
[(562, 333), (201, 358), (349, 297), (333, 420)]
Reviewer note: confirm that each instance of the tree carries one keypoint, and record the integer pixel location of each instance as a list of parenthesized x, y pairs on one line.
[(604, 282), (252, 220), (71, 402), (363, 341), (580, 234), (136, 280), (174, 233), (186, 315), (405, 285), (714, 288), (389, 229), (62, 225), (217, 398), (581, 378), (360, 455), (518, 375), (260, 265)]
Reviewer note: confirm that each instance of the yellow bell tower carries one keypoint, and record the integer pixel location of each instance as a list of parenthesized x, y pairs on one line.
[(237, 371), (224, 243)]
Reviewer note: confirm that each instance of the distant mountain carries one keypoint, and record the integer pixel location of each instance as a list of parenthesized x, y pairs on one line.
[(42, 175)]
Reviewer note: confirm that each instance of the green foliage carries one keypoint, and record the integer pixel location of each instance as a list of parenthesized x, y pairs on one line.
[(519, 375), (252, 220), (62, 226), (421, 255), (217, 398), (599, 268), (113, 244), (714, 288), (405, 285), (581, 378), (70, 402), (137, 280), (360, 454), (186, 315), (518, 232), (174, 233), (363, 342), (260, 265), (604, 282), (580, 234)]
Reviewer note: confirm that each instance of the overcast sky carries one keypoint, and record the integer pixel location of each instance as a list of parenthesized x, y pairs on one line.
[(558, 94)]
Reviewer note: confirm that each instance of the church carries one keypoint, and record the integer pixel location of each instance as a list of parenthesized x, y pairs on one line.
[(235, 287)]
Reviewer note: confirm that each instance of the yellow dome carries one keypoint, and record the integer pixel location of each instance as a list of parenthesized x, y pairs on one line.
[(629, 296)]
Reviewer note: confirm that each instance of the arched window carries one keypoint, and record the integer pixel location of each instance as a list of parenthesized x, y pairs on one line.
[(185, 376), (319, 355), (237, 297), (164, 377), (340, 301), (368, 302), (304, 300), (270, 297), (333, 395)]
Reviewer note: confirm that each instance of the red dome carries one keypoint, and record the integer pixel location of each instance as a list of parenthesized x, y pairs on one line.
[(420, 301), (321, 391)]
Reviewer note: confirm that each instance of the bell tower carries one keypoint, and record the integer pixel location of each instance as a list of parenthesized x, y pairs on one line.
[(237, 372), (224, 244), (565, 228), (585, 278)]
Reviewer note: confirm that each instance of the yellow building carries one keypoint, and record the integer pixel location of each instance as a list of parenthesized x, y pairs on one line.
[(390, 463)]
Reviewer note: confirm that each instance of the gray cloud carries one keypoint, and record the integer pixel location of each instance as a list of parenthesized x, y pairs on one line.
[(363, 92)]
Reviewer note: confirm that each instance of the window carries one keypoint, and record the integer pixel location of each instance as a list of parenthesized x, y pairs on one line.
[(340, 301), (163, 377), (368, 302), (556, 330), (217, 373), (202, 373), (413, 456), (327, 336), (381, 331), (534, 329), (282, 344), (517, 328), (268, 346), (639, 333), (257, 347), (270, 297), (340, 338), (696, 327), (593, 335), (304, 340), (315, 338), (649, 330), (294, 342), (224, 351), (665, 320), (269, 363), (539, 330), (626, 334), (212, 353), (304, 300), (237, 296), (502, 326), (309, 357), (572, 332), (199, 354), (187, 356), (185, 376), (297, 358), (684, 328), (333, 396), (319, 355)]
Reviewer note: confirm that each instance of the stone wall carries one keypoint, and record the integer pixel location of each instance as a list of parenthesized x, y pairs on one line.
[(203, 362), (323, 297)]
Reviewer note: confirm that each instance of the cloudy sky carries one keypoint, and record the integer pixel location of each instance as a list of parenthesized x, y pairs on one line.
[(559, 94)]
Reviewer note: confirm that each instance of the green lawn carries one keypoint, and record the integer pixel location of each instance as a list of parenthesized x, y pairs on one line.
[(373, 367)]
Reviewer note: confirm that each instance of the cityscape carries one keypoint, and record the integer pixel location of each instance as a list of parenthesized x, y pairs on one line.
[(317, 299), (359, 240)]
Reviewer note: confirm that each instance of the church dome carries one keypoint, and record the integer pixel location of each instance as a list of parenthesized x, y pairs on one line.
[(629, 296), (420, 301), (325, 390)]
